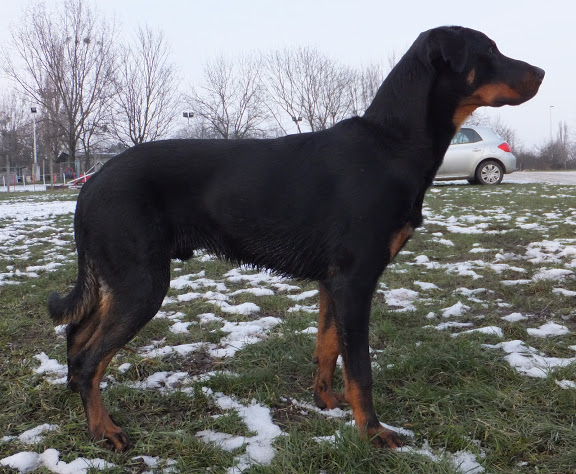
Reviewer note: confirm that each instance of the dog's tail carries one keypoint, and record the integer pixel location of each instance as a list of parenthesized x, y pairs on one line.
[(80, 302)]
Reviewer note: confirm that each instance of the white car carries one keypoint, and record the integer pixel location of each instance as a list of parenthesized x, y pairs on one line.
[(477, 154)]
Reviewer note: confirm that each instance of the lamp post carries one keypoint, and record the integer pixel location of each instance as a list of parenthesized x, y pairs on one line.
[(35, 169), (297, 121), (188, 116)]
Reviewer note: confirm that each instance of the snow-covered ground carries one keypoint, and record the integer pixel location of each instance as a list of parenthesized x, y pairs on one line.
[(22, 219)]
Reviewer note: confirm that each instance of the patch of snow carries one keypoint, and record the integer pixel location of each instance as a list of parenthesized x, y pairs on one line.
[(57, 372), (123, 368), (463, 462), (491, 330), (50, 459), (206, 318), (179, 328), (514, 317), (307, 309), (33, 435), (259, 449), (548, 329), (426, 286), (241, 334), (150, 352), (303, 296), (310, 330), (566, 384), (456, 310), (554, 274), (254, 291), (242, 308), (563, 292), (515, 282), (164, 382), (401, 297), (529, 361), (421, 259), (450, 324), (332, 413), (183, 281), (224, 441)]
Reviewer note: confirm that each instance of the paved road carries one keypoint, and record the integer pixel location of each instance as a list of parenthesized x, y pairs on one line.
[(550, 177)]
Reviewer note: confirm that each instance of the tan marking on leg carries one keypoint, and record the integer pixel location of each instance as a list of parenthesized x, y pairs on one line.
[(90, 337), (360, 401), (399, 239), (326, 354), (90, 328), (100, 425)]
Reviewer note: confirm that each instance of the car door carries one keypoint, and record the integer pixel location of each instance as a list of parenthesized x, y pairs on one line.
[(464, 152)]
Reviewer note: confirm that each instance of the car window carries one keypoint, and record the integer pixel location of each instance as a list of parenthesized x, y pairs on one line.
[(465, 135)]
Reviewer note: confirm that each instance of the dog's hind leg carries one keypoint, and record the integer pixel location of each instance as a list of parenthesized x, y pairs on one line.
[(326, 354), (125, 306), (352, 297)]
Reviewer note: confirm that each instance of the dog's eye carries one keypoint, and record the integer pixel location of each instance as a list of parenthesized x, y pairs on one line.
[(493, 49)]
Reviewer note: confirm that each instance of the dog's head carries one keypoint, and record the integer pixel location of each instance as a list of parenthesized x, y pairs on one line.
[(475, 73)]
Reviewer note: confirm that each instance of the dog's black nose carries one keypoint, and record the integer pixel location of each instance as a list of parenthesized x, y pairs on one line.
[(540, 73)]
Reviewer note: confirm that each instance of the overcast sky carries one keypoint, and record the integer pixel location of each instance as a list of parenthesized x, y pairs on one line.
[(360, 32)]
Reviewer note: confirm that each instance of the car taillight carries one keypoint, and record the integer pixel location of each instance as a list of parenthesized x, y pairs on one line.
[(505, 147)]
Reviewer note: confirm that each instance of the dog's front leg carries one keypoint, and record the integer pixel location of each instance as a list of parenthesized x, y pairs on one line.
[(326, 354), (352, 300)]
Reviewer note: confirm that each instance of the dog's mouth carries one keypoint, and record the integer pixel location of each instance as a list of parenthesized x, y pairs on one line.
[(530, 85), (526, 87), (521, 85)]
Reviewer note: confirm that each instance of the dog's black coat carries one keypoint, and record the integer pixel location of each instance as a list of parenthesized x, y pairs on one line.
[(333, 206)]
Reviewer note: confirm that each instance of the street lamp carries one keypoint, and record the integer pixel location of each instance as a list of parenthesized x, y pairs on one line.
[(188, 116), (35, 169), (296, 120)]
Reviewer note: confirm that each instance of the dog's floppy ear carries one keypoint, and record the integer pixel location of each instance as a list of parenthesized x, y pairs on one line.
[(448, 45)]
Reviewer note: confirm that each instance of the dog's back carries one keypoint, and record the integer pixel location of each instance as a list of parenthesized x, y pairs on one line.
[(243, 199)]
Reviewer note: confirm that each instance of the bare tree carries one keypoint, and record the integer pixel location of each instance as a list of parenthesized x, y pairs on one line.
[(563, 146), (504, 130), (146, 90), (507, 133), (51, 133), (230, 103), (307, 86), (14, 129), (94, 133), (363, 89), (68, 53)]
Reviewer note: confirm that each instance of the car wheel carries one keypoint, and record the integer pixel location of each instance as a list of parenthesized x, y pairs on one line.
[(489, 172)]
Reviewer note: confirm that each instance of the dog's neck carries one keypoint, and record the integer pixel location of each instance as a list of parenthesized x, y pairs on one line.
[(419, 121)]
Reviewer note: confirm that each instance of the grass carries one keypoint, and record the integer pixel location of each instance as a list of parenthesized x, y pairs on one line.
[(453, 392)]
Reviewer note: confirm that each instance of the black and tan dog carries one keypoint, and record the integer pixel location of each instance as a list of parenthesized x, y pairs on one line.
[(334, 206)]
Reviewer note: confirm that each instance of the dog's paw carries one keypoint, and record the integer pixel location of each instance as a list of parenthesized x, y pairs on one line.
[(110, 436), (384, 438), (329, 400)]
